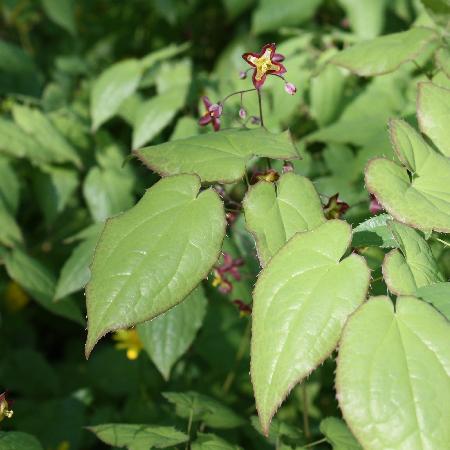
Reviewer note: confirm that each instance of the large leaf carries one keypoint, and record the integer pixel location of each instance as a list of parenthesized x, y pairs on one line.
[(393, 375), (386, 53), (412, 265), (39, 283), (433, 113), (438, 294), (138, 437), (40, 128), (203, 408), (338, 435), (151, 257), (112, 87), (275, 212), (422, 201), (218, 156), (443, 60), (273, 14), (168, 336), (16, 440), (301, 301)]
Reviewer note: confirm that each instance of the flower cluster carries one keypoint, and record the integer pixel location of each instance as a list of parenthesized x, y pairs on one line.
[(266, 62), (229, 266)]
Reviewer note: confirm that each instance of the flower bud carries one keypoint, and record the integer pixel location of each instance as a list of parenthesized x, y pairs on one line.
[(290, 88), (242, 75), (255, 120), (242, 113)]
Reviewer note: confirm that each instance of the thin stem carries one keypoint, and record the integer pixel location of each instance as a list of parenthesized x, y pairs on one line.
[(305, 413), (260, 107), (239, 355), (312, 444), (236, 93), (191, 417)]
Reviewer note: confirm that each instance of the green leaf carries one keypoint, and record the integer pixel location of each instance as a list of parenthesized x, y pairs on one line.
[(275, 212), (433, 112), (338, 435), (154, 115), (15, 143), (138, 437), (18, 72), (112, 87), (151, 257), (412, 265), (107, 192), (203, 408), (54, 187), (273, 14), (278, 430), (386, 53), (443, 60), (327, 89), (218, 156), (16, 440), (422, 202), (9, 185), (75, 272), (167, 337), (209, 441), (10, 233), (374, 232), (164, 53), (62, 13), (438, 294), (439, 10), (393, 375), (301, 301), (57, 149), (366, 18), (40, 284)]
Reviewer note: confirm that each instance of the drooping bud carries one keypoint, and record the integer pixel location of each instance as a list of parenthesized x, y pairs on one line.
[(242, 113), (290, 88), (242, 75)]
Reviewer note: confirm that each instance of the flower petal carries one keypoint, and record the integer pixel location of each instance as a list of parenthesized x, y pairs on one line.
[(205, 119)]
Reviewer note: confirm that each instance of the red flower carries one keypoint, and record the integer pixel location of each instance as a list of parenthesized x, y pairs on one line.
[(213, 112), (267, 62), (374, 206), (335, 208), (243, 308)]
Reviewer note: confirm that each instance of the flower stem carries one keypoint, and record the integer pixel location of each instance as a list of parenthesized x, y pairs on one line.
[(312, 444), (260, 107), (305, 413), (236, 93)]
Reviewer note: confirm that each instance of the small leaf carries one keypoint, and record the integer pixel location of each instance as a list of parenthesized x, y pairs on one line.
[(167, 337), (39, 283), (393, 375), (422, 201), (62, 13), (138, 437), (275, 212), (433, 112), (10, 233), (301, 301), (386, 53), (209, 441), (374, 232), (75, 272), (9, 185), (412, 265), (203, 408), (151, 257), (438, 294), (112, 87), (338, 435), (218, 156), (16, 440), (37, 125)]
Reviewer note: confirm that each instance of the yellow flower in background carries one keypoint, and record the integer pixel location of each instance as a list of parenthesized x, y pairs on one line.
[(4, 408), (64, 445), (15, 297), (128, 340)]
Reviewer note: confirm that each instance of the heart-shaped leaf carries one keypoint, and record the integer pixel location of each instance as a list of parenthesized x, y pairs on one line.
[(393, 375), (386, 53), (443, 60), (218, 156), (438, 294), (374, 232), (151, 257), (433, 113), (420, 195), (301, 301), (275, 212), (167, 337), (412, 265), (138, 437)]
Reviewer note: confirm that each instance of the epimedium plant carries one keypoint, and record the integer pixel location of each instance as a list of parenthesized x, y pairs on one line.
[(310, 297), (253, 300)]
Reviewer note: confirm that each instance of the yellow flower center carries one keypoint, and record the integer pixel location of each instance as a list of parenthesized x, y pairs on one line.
[(263, 64), (4, 411)]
